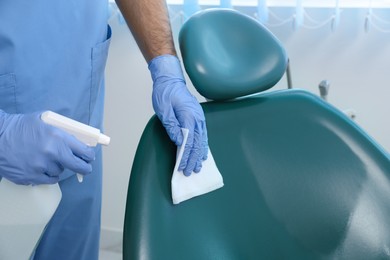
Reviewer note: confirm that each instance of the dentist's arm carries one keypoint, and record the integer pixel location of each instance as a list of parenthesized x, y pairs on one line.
[(149, 23)]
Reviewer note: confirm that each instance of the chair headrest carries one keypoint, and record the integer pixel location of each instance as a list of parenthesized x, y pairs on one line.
[(228, 54)]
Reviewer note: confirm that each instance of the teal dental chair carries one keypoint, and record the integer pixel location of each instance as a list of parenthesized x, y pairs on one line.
[(302, 181)]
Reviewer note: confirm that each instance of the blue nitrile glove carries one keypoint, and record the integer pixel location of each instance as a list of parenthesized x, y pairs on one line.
[(177, 108), (33, 152)]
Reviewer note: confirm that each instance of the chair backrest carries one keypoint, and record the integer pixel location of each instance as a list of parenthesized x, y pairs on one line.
[(302, 181)]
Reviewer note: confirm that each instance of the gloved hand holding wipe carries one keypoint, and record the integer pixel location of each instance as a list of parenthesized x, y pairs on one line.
[(177, 108), (33, 152)]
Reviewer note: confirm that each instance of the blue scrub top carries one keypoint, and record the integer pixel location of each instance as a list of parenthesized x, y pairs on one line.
[(52, 57)]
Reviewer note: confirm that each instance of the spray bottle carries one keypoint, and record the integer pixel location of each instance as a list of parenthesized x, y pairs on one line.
[(26, 210)]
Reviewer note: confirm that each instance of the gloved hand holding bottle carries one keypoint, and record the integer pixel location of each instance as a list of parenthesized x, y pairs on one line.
[(177, 108), (33, 152)]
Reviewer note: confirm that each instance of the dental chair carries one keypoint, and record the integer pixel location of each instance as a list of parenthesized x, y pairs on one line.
[(302, 181)]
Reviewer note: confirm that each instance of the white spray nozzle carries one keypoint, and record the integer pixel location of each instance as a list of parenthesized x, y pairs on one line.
[(104, 139)]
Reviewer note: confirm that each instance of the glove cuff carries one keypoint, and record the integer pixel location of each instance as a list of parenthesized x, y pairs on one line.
[(165, 67)]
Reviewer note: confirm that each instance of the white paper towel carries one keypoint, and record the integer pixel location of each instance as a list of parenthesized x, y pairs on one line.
[(186, 187)]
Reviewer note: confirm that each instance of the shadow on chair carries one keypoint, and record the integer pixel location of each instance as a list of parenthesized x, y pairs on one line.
[(302, 181)]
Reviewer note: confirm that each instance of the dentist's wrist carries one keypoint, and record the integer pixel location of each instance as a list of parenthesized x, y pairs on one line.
[(165, 67)]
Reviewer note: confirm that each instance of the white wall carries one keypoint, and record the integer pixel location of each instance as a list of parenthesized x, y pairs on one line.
[(356, 63), (127, 110)]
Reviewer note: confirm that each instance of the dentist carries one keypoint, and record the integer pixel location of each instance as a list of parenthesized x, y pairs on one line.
[(52, 57)]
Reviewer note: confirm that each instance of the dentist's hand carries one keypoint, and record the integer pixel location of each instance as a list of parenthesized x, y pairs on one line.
[(177, 108), (32, 152)]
